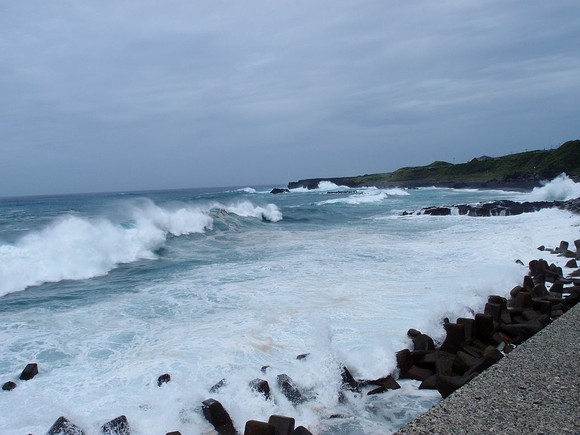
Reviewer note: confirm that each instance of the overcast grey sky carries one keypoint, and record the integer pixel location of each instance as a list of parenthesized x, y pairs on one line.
[(108, 95)]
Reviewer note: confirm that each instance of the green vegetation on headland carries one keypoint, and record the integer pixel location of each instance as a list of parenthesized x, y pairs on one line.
[(522, 170)]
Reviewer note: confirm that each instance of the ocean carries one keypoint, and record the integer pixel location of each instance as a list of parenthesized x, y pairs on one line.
[(108, 291)]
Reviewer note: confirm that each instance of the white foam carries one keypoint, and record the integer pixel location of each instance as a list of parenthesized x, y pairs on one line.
[(328, 186), (268, 212), (74, 247), (561, 188), (356, 199), (345, 294), (247, 190)]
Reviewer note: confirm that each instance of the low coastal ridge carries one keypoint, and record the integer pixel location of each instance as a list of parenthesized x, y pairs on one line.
[(515, 171)]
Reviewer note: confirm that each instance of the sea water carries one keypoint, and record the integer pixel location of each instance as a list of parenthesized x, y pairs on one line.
[(108, 291)]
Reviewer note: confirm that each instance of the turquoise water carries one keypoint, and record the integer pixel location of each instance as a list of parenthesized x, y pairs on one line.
[(108, 291)]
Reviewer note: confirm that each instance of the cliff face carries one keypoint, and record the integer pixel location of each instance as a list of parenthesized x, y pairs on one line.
[(521, 170)]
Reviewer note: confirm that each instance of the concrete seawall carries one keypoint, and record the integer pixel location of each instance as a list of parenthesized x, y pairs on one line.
[(535, 389)]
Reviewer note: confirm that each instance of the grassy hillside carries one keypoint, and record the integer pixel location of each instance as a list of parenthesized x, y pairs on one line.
[(528, 168)]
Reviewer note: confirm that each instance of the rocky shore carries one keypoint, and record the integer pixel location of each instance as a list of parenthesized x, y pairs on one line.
[(535, 389), (498, 208), (508, 369)]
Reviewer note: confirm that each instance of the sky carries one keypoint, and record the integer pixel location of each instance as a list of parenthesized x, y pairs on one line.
[(119, 95)]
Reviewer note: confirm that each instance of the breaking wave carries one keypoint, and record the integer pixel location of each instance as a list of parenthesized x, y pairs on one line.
[(561, 188), (74, 247)]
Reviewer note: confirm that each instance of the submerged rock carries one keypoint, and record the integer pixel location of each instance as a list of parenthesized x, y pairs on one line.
[(289, 389), (215, 413), (163, 379), (63, 426), (117, 426), (30, 371), (9, 386)]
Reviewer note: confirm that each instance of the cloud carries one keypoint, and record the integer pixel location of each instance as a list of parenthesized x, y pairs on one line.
[(128, 85)]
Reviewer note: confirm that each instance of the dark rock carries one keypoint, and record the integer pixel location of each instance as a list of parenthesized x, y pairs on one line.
[(454, 338), (283, 425), (117, 426), (377, 390), (446, 384), (523, 300), (528, 282), (571, 300), (514, 292), (557, 286), (254, 427), (413, 333), (540, 290), (483, 328), (572, 264), (496, 299), (444, 362), (472, 350), (163, 379), (264, 369), (214, 412), (490, 356), (429, 384), (278, 190), (563, 246), (467, 326), (423, 342), (348, 380), (517, 332), (261, 386), (302, 356), (289, 389), (30, 371), (404, 360), (437, 211), (301, 430), (541, 248), (463, 362), (217, 386), (427, 361), (418, 373), (388, 383), (495, 208), (62, 426), (494, 310), (175, 432), (542, 306), (520, 262), (505, 317), (9, 386)]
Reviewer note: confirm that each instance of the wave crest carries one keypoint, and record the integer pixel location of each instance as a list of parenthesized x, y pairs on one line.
[(269, 212), (74, 247)]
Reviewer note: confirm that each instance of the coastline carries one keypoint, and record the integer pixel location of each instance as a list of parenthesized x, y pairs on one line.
[(514, 185), (533, 389)]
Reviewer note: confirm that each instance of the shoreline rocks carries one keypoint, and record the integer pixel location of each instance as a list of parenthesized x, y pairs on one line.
[(470, 348), (497, 208)]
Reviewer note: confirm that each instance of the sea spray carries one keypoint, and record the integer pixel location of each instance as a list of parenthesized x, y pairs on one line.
[(73, 247), (562, 188)]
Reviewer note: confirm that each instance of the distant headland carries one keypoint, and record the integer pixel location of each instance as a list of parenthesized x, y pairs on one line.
[(515, 171)]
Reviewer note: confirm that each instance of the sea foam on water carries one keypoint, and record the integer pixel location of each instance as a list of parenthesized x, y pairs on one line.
[(216, 289)]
